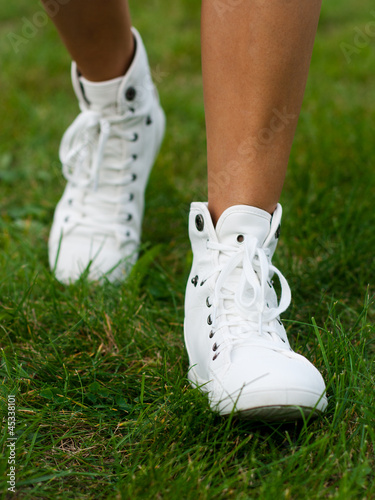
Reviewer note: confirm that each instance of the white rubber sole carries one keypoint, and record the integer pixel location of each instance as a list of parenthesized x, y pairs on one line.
[(271, 406)]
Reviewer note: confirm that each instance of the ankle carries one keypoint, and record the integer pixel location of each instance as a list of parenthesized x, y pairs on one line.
[(101, 69)]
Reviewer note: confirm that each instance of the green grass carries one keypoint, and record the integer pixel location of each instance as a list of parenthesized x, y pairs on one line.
[(104, 409)]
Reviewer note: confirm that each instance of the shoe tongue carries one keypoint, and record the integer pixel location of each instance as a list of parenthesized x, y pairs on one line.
[(101, 96), (243, 220)]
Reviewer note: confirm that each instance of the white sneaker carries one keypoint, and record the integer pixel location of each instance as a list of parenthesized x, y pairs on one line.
[(107, 155), (238, 348)]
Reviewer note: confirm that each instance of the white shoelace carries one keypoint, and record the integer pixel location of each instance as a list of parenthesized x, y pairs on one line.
[(86, 152), (245, 305)]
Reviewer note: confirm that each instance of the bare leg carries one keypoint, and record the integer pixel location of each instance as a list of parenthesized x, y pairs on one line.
[(256, 57), (97, 35)]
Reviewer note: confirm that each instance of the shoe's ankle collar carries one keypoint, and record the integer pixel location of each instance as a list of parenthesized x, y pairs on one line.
[(136, 84)]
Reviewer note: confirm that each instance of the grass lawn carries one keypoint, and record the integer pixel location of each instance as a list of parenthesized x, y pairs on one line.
[(104, 409)]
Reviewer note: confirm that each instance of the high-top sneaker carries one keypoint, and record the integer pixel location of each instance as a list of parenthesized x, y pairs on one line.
[(107, 154), (238, 348)]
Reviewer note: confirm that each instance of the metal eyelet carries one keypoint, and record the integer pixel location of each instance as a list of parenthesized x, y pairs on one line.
[(129, 217), (134, 157), (240, 238), (212, 333), (134, 176), (215, 356), (70, 201), (130, 93), (208, 303), (131, 197), (195, 280), (135, 137), (215, 346), (148, 120), (199, 222), (209, 320)]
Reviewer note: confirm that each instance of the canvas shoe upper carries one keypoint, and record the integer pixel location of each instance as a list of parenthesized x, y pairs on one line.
[(107, 154), (238, 349)]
